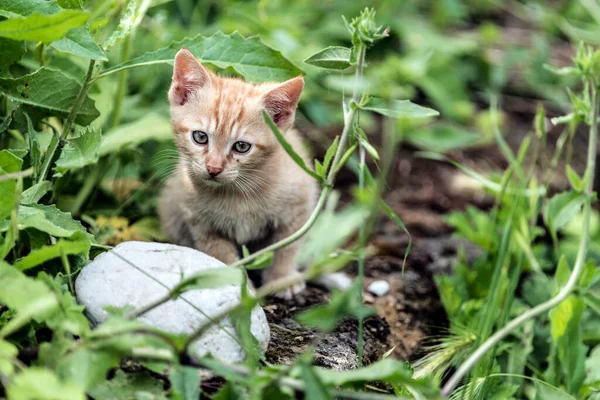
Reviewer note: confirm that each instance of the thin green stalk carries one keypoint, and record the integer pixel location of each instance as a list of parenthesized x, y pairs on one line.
[(122, 85), (362, 239), (491, 342), (57, 143)]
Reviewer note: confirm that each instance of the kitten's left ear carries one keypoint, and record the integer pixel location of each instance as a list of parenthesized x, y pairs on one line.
[(281, 102), (188, 76)]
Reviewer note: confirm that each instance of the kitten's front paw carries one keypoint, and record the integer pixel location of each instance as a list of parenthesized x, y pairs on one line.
[(289, 292)]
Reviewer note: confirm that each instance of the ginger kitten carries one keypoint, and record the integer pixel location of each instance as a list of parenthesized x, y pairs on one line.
[(234, 184)]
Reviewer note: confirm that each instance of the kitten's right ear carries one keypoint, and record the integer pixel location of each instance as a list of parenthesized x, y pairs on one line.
[(188, 76)]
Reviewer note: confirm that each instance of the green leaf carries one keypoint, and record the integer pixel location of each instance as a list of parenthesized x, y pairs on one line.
[(150, 127), (562, 208), (574, 179), (342, 304), (261, 262), (50, 90), (11, 51), (548, 392), (565, 320), (315, 389), (330, 153), (8, 352), (77, 4), (11, 8), (81, 150), (80, 244), (28, 297), (9, 163), (131, 386), (42, 27), (47, 219), (35, 192), (185, 383), (333, 57), (86, 368), (288, 147), (212, 278), (398, 108), (249, 57), (79, 42), (442, 138), (36, 383)]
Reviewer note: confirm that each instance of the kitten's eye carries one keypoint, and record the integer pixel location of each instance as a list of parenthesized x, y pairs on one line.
[(200, 137), (241, 147)]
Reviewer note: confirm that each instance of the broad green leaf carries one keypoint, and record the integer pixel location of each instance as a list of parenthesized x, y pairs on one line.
[(562, 208), (333, 57), (35, 192), (8, 352), (399, 108), (342, 304), (79, 42), (42, 27), (28, 297), (548, 392), (249, 57), (150, 127), (37, 383), (288, 148), (9, 163), (11, 8), (86, 368), (212, 278), (81, 150), (185, 383), (565, 320), (50, 90), (133, 15), (11, 51), (129, 387), (442, 138), (315, 389), (79, 245), (47, 219)]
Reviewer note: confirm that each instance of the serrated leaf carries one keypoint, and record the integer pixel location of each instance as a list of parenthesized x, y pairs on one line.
[(399, 108), (151, 126), (133, 15), (79, 42), (562, 208), (9, 163), (50, 90), (42, 27), (47, 219), (35, 192), (37, 383), (81, 150), (185, 383), (288, 147), (249, 57), (333, 57), (78, 244)]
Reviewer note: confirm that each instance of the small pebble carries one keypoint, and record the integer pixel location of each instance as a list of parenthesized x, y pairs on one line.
[(379, 288)]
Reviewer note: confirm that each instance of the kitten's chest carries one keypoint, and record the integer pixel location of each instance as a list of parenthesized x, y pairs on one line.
[(239, 221)]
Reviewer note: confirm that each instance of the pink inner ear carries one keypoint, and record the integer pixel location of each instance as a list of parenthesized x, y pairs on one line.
[(188, 76), (281, 102)]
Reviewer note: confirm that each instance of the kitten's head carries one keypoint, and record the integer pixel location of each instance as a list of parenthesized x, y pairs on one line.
[(219, 125)]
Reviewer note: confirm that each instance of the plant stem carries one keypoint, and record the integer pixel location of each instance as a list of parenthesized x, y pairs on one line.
[(122, 86), (362, 238), (466, 366), (56, 142), (329, 182), (16, 175)]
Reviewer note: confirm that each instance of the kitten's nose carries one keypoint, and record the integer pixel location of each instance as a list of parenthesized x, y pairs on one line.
[(214, 170)]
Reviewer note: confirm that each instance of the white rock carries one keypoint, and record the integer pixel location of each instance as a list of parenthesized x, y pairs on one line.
[(336, 280), (111, 281), (379, 288)]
